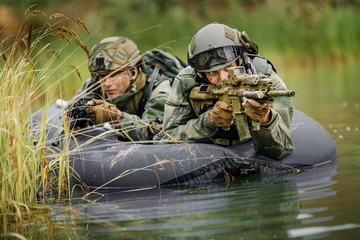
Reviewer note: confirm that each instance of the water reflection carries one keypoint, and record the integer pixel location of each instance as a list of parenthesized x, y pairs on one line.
[(251, 207)]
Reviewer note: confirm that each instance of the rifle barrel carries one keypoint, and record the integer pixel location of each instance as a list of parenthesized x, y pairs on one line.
[(278, 93)]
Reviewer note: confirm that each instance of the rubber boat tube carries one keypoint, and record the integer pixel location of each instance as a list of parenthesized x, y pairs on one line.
[(98, 159)]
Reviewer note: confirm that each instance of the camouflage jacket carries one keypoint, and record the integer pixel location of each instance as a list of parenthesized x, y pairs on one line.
[(138, 109), (181, 122)]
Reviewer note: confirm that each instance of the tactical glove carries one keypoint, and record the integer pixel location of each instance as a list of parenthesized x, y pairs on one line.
[(259, 112), (221, 115), (102, 112)]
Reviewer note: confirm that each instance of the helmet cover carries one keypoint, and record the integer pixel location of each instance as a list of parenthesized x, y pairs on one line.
[(113, 53)]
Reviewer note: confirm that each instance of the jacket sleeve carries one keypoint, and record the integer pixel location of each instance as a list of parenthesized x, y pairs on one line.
[(154, 108), (273, 139), (180, 121), (132, 127), (145, 127)]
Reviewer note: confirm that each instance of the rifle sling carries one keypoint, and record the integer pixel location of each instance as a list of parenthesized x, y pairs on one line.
[(148, 90)]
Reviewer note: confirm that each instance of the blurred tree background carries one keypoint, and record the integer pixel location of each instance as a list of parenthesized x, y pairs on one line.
[(294, 32)]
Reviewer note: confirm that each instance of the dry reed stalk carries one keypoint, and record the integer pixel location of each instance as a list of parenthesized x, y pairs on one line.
[(76, 38), (81, 23), (76, 70), (58, 15), (28, 9), (37, 12), (28, 43)]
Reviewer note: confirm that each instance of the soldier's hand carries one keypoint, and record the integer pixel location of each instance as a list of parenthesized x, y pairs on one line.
[(221, 115), (68, 121), (102, 112), (257, 111)]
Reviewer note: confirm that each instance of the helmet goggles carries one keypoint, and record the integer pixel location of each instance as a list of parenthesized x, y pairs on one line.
[(204, 60)]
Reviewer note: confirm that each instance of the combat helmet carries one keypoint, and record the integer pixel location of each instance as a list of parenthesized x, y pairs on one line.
[(114, 53), (214, 47)]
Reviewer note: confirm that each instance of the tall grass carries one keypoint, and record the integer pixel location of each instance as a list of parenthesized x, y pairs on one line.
[(25, 175)]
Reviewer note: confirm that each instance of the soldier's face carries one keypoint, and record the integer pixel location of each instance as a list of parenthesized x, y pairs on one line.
[(216, 77), (117, 83)]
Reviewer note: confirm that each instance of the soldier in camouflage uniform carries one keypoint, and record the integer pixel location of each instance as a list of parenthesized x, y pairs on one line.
[(125, 89), (211, 51)]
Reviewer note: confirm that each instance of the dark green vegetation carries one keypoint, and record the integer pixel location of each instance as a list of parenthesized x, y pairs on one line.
[(325, 28), (37, 67)]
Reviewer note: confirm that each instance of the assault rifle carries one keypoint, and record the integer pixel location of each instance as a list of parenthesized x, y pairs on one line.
[(238, 84), (78, 114)]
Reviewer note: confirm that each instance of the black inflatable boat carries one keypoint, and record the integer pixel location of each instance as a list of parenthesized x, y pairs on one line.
[(98, 159)]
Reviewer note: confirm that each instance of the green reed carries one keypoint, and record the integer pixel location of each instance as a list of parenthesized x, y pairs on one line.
[(26, 176)]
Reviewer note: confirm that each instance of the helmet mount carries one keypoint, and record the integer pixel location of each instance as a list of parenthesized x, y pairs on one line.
[(114, 53)]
